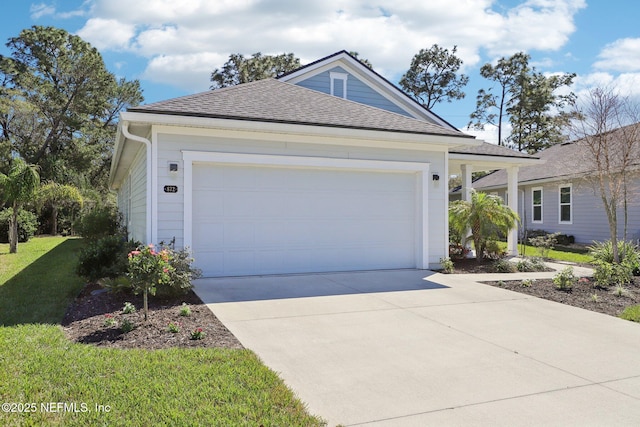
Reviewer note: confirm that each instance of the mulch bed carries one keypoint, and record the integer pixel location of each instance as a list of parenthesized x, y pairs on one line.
[(581, 295), (85, 319)]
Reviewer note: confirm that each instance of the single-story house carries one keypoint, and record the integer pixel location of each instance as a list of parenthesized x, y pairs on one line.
[(559, 195), (327, 168)]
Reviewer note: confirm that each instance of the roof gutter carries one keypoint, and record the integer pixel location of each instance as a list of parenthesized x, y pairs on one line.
[(147, 143)]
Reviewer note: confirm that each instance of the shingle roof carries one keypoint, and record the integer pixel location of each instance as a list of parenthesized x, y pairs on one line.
[(271, 100), (487, 149), (561, 161)]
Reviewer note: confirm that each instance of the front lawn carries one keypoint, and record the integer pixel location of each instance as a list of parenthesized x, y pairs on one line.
[(65, 383)]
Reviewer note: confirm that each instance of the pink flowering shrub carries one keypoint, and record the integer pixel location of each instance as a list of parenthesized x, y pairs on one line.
[(165, 271)]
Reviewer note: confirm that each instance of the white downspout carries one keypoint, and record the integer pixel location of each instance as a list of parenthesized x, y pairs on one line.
[(147, 143)]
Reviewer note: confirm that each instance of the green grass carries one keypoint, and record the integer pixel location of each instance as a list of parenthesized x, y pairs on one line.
[(37, 283), (558, 254), (135, 387), (631, 313)]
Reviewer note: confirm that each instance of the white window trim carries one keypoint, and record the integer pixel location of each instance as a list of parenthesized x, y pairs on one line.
[(533, 220), (339, 76), (421, 171), (560, 204)]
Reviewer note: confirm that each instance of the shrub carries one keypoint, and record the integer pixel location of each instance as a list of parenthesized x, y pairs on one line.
[(565, 279), (458, 251), (492, 250), (104, 258), (602, 252), (530, 264), (631, 313), (164, 272), (607, 274), (117, 285), (180, 274), (27, 225), (447, 265), (526, 283), (127, 326), (503, 266), (544, 243), (99, 223)]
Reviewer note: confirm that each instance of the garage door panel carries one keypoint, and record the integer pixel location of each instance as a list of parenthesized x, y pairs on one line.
[(265, 220)]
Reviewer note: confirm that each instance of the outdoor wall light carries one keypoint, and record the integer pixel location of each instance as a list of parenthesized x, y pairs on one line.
[(435, 177), (173, 168)]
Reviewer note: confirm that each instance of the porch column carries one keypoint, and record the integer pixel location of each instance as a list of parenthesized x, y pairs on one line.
[(512, 196), (467, 171)]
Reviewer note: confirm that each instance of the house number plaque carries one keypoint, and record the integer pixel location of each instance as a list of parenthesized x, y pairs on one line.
[(170, 188)]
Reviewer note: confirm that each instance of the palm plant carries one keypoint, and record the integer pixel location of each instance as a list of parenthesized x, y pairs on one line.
[(485, 215), (17, 188)]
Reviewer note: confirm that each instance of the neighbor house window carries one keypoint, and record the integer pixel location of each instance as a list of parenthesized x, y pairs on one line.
[(536, 204), (565, 204), (338, 84)]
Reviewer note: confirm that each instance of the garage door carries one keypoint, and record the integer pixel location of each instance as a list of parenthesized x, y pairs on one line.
[(251, 220)]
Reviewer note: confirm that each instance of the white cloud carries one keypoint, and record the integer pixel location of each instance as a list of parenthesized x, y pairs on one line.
[(107, 33), (626, 84), (41, 9), (387, 34), (190, 71), (622, 55)]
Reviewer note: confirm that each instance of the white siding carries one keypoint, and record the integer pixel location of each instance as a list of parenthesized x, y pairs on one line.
[(170, 206), (137, 181)]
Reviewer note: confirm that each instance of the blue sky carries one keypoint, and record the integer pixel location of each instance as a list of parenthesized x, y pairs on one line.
[(173, 45)]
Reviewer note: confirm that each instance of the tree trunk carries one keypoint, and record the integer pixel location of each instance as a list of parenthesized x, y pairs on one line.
[(54, 220), (145, 305), (13, 230)]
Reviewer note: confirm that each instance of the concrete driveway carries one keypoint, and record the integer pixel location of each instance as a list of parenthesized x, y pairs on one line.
[(416, 348)]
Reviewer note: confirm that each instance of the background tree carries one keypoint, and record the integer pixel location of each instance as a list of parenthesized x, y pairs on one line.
[(60, 106), (239, 69), (608, 130), (16, 189), (364, 61), (528, 99), (432, 76), (56, 196), (491, 106), (485, 215)]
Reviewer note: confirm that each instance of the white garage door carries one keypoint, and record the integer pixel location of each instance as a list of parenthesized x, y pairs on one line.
[(251, 220)]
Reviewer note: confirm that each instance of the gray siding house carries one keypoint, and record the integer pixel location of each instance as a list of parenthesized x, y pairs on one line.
[(559, 195), (327, 168)]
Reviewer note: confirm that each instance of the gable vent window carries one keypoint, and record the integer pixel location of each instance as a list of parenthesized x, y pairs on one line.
[(339, 84)]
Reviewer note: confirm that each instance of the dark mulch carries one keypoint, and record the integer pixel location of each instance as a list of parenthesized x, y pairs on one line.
[(84, 322), (606, 301), (583, 294), (472, 266)]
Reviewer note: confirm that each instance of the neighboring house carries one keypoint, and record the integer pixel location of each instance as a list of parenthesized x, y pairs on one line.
[(559, 195), (328, 168)]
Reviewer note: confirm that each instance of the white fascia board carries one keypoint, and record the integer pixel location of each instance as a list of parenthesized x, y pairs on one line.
[(371, 79), (285, 132), (490, 161), (115, 159)]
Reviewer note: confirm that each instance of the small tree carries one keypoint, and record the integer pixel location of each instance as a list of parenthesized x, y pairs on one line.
[(147, 270), (17, 188), (609, 133), (485, 215), (57, 196)]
